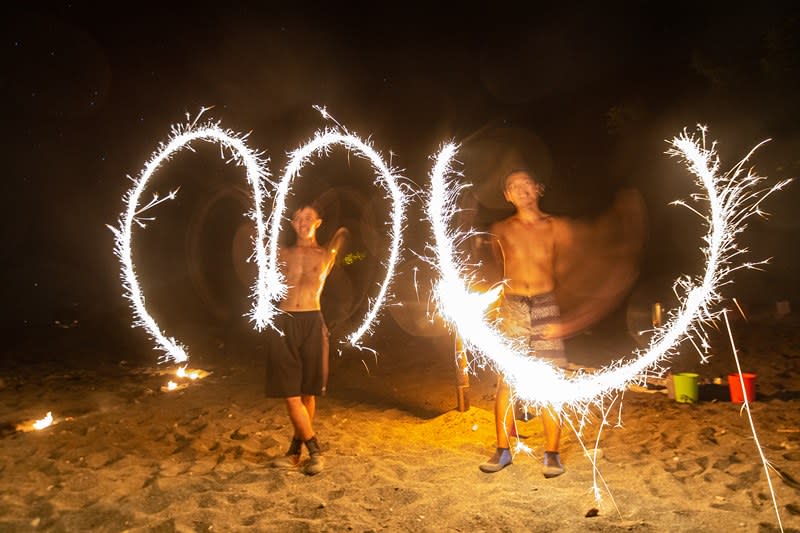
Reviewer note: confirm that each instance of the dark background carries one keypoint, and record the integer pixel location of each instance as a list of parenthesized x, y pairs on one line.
[(588, 93)]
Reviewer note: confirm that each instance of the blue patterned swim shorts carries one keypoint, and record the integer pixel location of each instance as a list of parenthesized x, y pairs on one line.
[(525, 317)]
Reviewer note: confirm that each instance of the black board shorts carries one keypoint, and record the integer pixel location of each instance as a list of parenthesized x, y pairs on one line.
[(297, 361)]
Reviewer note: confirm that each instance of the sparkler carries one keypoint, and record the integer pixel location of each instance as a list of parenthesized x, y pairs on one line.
[(732, 198), (181, 137), (44, 422), (192, 374), (387, 177), (36, 425)]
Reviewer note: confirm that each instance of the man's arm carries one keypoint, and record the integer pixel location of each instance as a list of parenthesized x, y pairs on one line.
[(335, 246), (597, 262)]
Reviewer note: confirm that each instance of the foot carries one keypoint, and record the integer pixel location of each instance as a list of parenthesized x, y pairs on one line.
[(552, 465), (315, 462), (314, 465), (497, 462), (292, 457)]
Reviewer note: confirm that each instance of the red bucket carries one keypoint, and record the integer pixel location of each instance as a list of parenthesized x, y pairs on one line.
[(736, 387)]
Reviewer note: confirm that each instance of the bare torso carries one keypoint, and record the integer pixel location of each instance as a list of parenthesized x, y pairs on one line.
[(305, 269), (526, 249)]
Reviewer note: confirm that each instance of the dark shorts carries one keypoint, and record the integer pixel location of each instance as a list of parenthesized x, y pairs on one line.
[(523, 319), (297, 361)]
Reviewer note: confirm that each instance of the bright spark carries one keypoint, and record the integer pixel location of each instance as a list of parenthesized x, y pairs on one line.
[(181, 137), (387, 177), (732, 199), (191, 374), (44, 422), (746, 407)]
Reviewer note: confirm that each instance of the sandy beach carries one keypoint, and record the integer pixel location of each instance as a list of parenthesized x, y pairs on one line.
[(125, 456)]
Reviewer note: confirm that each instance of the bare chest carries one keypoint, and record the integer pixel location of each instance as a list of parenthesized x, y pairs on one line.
[(303, 262)]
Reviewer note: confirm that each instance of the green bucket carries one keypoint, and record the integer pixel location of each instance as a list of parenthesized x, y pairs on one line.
[(686, 390)]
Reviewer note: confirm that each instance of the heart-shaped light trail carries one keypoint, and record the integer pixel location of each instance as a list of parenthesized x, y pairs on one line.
[(181, 137), (387, 177), (732, 198)]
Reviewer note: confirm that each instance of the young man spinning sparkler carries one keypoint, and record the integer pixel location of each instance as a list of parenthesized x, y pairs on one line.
[(297, 354), (524, 244)]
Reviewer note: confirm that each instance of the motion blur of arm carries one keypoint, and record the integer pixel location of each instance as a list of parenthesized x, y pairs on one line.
[(488, 255), (597, 262), (335, 246)]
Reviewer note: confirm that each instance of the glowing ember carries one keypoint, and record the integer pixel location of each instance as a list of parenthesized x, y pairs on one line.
[(47, 421), (732, 199), (182, 136), (386, 177), (172, 386), (189, 373), (36, 425)]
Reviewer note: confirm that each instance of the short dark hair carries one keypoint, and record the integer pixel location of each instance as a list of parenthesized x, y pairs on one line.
[(525, 170), (309, 205)]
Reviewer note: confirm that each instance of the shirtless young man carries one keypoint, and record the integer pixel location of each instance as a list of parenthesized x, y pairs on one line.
[(297, 361), (524, 243)]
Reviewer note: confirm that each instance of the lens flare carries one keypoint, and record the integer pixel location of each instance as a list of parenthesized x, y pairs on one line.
[(732, 198), (181, 137), (386, 176)]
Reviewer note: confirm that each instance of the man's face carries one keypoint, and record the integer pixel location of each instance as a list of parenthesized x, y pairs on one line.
[(522, 191), (305, 222)]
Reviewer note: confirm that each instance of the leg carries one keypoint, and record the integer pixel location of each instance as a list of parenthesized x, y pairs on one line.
[(299, 416), (504, 423), (503, 413), (315, 462), (310, 403), (552, 437), (552, 430)]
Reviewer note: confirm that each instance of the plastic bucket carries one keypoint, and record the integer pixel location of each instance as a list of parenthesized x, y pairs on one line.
[(686, 390), (736, 387)]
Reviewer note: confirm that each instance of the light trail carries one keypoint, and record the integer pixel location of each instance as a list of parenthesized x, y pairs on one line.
[(387, 177), (181, 137), (732, 198), (746, 408)]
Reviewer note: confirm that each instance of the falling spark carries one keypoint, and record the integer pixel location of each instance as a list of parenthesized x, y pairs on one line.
[(387, 177), (44, 422), (746, 407), (181, 137), (732, 198), (182, 373), (741, 311), (171, 385)]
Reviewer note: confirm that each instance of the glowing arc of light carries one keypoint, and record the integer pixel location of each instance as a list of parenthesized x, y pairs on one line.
[(181, 137), (732, 199), (386, 177)]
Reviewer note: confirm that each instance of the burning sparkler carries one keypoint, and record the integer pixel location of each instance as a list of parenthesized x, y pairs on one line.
[(171, 386), (44, 422), (36, 425), (387, 177), (732, 198), (182, 373), (181, 137)]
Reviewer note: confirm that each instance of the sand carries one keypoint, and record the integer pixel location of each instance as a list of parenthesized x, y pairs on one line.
[(125, 456)]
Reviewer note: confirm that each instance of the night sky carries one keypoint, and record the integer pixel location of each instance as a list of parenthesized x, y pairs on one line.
[(586, 93)]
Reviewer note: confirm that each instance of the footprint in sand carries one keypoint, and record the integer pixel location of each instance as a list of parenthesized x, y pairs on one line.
[(788, 478), (792, 456)]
